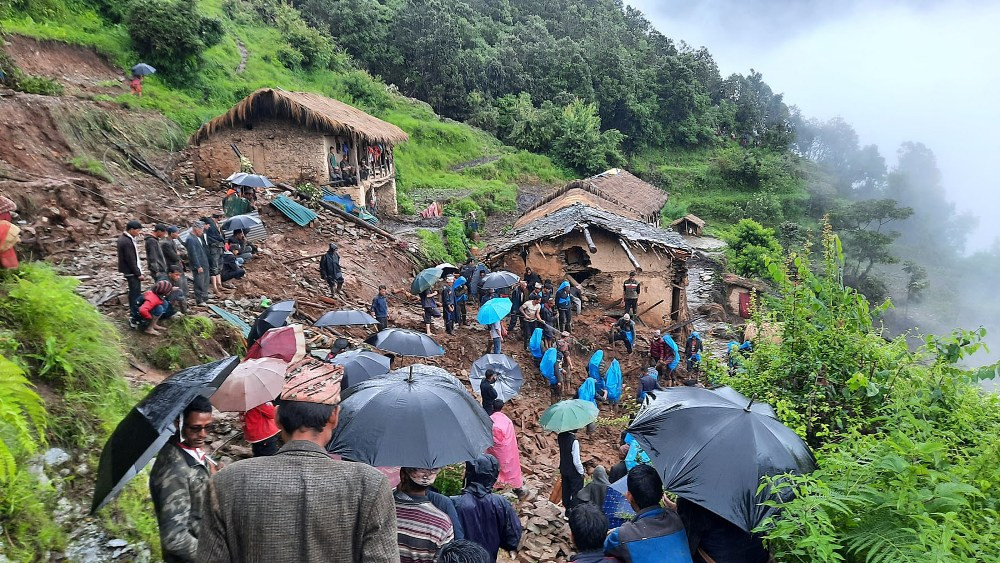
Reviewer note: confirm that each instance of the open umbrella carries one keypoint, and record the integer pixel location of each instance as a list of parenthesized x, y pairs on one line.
[(509, 377), (447, 268), (252, 181), (148, 426), (423, 418), (244, 222), (345, 317), (741, 400), (235, 176), (494, 310), (425, 280), (287, 343), (274, 316), (253, 383), (500, 280), (714, 452), (571, 414), (405, 342), (360, 365), (142, 69)]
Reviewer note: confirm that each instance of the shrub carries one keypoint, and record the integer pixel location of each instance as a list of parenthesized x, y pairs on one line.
[(433, 246), (457, 242), (750, 247), (22, 418), (171, 35), (90, 165)]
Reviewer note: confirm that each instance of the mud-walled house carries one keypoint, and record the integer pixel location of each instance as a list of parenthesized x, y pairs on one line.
[(690, 225), (299, 137), (576, 232), (630, 196)]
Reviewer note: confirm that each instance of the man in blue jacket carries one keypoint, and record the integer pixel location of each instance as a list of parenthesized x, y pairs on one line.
[(487, 518), (380, 308), (656, 535)]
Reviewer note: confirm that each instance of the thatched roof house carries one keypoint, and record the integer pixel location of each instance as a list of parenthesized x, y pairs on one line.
[(625, 189), (300, 137), (597, 248), (689, 224)]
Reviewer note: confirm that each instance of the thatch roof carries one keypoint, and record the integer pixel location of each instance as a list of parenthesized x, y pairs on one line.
[(309, 110), (644, 197), (578, 215), (691, 219), (577, 192)]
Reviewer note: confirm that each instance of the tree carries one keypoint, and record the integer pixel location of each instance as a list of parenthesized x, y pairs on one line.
[(171, 35), (863, 226), (751, 247)]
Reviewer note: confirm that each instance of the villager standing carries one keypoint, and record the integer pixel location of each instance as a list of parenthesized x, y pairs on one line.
[(656, 534), (422, 528), (330, 270), (461, 287), (548, 318), (155, 261), (497, 332), (448, 305), (531, 278), (631, 290), (198, 255), (429, 303), (692, 350), (260, 430), (505, 449), (564, 303), (564, 363), (174, 254), (487, 518), (299, 505), (128, 264), (570, 468), (178, 481), (488, 392), (530, 316), (658, 353), (216, 244), (516, 300), (380, 308)]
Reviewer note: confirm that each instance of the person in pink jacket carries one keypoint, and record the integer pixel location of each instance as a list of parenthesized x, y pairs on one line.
[(504, 448)]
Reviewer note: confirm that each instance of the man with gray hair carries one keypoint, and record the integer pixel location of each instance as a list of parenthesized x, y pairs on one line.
[(198, 256)]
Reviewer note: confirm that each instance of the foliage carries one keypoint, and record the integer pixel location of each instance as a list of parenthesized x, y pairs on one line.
[(456, 242), (184, 343), (450, 479), (172, 34), (15, 79), (750, 247), (90, 165), (433, 246), (862, 226), (22, 418)]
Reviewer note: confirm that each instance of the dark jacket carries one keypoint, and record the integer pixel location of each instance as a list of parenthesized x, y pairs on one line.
[(618, 471), (154, 257), (647, 383), (444, 504), (329, 267), (240, 247), (213, 234), (380, 306), (656, 535), (591, 557), (531, 279), (489, 395), (487, 518), (566, 465), (721, 540), (128, 258), (170, 253), (197, 253)]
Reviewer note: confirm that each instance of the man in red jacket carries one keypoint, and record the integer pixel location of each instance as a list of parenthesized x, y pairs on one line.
[(260, 430), (154, 307)]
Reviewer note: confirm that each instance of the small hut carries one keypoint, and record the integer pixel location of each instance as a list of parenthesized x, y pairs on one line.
[(574, 235), (690, 225), (298, 137), (740, 294)]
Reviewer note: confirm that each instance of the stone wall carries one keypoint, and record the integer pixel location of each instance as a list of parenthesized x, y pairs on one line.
[(280, 150)]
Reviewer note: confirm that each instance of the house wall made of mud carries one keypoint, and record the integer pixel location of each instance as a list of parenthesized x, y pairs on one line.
[(608, 268)]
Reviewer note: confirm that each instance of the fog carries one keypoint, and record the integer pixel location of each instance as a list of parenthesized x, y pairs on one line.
[(896, 70)]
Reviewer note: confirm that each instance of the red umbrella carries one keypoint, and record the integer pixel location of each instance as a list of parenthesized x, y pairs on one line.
[(252, 383), (287, 343)]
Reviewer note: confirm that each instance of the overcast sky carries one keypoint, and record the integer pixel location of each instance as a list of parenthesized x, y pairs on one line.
[(897, 70)]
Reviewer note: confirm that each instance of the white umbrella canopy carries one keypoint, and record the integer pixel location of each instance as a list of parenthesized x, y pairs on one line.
[(253, 383)]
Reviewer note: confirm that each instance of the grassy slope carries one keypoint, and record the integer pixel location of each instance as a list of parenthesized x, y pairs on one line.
[(425, 162)]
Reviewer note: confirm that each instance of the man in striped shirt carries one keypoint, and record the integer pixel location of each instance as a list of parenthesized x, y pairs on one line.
[(422, 528)]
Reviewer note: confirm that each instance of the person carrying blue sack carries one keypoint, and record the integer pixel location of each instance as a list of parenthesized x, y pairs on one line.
[(669, 341), (693, 349), (551, 371), (595, 371)]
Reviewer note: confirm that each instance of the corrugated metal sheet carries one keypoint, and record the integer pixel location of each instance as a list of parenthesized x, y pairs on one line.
[(302, 216), (232, 319), (256, 233)]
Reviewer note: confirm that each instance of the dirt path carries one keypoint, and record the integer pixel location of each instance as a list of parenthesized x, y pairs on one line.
[(475, 162), (244, 55)]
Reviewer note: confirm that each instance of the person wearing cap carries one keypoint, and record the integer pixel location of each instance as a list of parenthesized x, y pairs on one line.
[(380, 308), (300, 504), (155, 261), (215, 242), (530, 315), (624, 330), (128, 264), (630, 292), (174, 254), (197, 251), (423, 527), (153, 306), (329, 269)]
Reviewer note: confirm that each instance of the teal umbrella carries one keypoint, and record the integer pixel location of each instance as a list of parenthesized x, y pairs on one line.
[(494, 310), (572, 414), (426, 280)]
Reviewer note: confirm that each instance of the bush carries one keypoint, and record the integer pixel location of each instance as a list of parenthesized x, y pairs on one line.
[(750, 248), (433, 246), (171, 35), (457, 241), (90, 165)]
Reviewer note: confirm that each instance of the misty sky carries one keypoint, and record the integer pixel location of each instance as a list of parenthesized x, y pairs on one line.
[(896, 70)]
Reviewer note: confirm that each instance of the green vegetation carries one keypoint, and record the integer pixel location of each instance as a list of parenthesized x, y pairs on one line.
[(433, 246), (90, 165), (12, 77), (907, 444), (750, 246)]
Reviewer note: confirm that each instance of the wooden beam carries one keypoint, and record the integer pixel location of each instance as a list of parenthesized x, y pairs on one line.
[(631, 257), (539, 247), (650, 308), (590, 240)]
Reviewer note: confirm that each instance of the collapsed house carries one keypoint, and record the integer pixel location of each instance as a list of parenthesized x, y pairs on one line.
[(298, 137), (596, 241)]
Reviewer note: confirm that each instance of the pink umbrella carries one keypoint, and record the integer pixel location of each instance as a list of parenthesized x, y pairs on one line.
[(287, 343), (253, 382)]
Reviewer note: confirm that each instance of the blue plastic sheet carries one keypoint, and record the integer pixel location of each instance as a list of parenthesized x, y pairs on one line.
[(594, 365), (548, 365), (614, 381), (587, 392), (535, 343), (669, 341)]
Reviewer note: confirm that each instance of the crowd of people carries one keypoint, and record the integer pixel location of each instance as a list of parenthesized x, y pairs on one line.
[(166, 259)]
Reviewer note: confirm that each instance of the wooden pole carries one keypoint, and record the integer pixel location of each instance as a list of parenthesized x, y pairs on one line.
[(590, 241), (631, 257), (539, 247)]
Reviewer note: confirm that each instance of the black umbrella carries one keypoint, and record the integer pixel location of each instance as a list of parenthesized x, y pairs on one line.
[(404, 342), (243, 222), (360, 365), (148, 426), (741, 400), (418, 418), (509, 377), (345, 317), (252, 181), (142, 69), (500, 280), (274, 316), (713, 452)]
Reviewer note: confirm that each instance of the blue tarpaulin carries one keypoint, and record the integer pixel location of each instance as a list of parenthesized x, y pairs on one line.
[(342, 200)]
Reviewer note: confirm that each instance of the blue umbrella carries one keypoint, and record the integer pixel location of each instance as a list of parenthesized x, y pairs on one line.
[(425, 280), (494, 310), (252, 181), (142, 69)]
